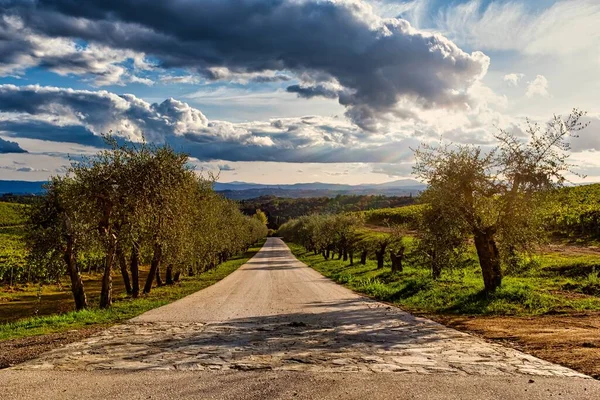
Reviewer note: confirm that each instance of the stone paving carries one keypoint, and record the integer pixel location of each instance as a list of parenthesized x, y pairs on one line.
[(387, 340)]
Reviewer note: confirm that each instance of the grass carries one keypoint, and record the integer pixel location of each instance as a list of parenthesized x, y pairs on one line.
[(124, 307), (542, 290)]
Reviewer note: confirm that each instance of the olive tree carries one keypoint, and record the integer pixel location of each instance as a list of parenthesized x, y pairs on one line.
[(56, 233), (493, 194)]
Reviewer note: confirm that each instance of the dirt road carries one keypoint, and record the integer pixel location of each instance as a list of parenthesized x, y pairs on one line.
[(282, 325)]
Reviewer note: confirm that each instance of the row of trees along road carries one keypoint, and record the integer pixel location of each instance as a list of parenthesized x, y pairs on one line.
[(127, 205), (489, 197), (344, 235)]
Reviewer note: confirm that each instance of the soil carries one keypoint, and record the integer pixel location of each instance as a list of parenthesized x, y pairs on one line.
[(570, 340), (571, 249), (16, 351)]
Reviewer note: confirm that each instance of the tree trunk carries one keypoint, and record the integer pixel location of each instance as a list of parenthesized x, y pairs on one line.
[(397, 260), (351, 256), (156, 258), (123, 267), (177, 276), (489, 259), (379, 256), (345, 255), (134, 266), (106, 293), (159, 281), (169, 277), (363, 257), (76, 282), (327, 254)]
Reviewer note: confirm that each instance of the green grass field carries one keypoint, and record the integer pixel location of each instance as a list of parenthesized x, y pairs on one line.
[(557, 284), (123, 307)]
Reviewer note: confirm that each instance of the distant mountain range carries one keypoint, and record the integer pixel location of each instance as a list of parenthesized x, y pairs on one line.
[(21, 187), (243, 190)]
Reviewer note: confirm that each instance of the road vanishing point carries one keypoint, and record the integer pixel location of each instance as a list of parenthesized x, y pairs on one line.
[(277, 329)]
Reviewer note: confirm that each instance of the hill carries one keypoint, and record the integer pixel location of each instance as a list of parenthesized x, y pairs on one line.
[(280, 210), (244, 190), (21, 187)]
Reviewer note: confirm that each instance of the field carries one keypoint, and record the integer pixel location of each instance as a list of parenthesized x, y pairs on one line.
[(12, 248), (10, 214), (12, 254), (574, 213), (408, 215)]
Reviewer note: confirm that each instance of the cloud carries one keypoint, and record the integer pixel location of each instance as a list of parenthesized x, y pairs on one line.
[(226, 167), (327, 90), (223, 73), (589, 138), (7, 146), (80, 116), (538, 87), (564, 28), (21, 48), (513, 79), (180, 79), (379, 62), (394, 170)]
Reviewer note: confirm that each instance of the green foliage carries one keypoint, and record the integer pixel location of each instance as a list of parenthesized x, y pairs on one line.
[(11, 214), (261, 217), (129, 204)]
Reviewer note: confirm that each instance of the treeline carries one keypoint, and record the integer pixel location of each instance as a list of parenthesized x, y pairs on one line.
[(130, 205), (344, 236), (280, 210)]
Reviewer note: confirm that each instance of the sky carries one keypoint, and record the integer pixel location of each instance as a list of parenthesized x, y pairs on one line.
[(287, 91)]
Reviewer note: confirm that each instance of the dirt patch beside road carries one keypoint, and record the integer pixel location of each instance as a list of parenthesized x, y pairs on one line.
[(569, 340), (13, 352)]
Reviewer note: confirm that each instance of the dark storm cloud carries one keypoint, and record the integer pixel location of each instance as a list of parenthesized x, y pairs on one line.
[(377, 62), (47, 131), (7, 146), (314, 91)]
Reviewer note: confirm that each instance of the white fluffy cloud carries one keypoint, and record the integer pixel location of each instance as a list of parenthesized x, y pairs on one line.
[(513, 79), (537, 87)]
